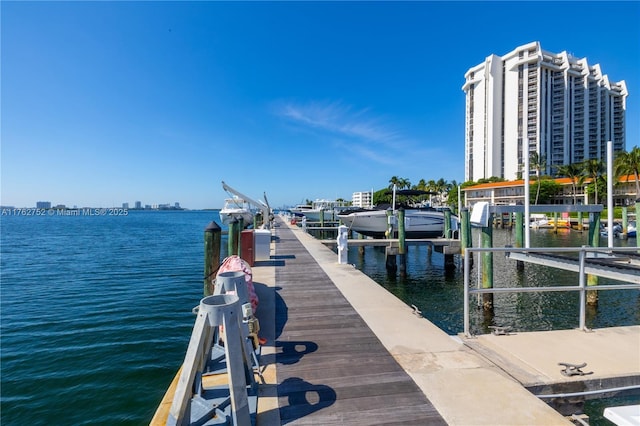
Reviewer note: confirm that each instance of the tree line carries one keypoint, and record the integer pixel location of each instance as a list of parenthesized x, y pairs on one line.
[(593, 171)]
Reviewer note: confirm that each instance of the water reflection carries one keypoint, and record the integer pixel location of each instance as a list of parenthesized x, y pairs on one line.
[(438, 291)]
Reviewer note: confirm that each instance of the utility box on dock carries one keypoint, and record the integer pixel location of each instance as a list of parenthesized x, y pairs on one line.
[(247, 248), (262, 240)]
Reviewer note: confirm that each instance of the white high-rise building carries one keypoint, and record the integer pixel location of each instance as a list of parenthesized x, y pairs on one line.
[(362, 199), (563, 108)]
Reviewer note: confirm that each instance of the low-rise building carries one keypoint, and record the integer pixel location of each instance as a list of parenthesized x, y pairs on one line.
[(512, 192)]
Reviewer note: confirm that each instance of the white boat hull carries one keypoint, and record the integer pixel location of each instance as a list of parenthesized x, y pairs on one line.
[(418, 223), (227, 216)]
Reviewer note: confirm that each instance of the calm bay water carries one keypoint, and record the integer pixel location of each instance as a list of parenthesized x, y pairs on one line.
[(96, 310), (438, 293), (96, 313)]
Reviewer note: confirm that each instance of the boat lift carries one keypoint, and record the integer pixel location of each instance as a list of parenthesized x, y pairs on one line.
[(267, 216)]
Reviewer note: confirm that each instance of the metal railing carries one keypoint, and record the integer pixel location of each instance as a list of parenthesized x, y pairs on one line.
[(584, 253)]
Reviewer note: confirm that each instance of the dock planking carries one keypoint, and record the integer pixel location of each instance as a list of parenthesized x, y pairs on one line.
[(331, 368)]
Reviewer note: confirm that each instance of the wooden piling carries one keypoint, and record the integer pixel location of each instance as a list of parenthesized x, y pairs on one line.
[(401, 243), (390, 252), (594, 241), (625, 223), (580, 224), (239, 229), (465, 233), (212, 238), (232, 240), (447, 223), (519, 237), (487, 264)]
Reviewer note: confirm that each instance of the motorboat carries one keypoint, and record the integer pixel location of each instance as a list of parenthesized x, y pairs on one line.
[(631, 229), (542, 221), (236, 208), (328, 208), (538, 220), (418, 222)]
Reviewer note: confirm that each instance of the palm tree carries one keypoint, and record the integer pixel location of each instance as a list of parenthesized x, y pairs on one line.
[(441, 187), (627, 163), (573, 172), (395, 180), (594, 169), (404, 183), (537, 163)]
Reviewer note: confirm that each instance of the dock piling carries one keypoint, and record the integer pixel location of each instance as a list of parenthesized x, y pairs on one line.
[(212, 238), (594, 240), (402, 248), (487, 264), (232, 239)]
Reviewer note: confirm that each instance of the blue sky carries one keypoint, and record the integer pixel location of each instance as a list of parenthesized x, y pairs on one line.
[(112, 102)]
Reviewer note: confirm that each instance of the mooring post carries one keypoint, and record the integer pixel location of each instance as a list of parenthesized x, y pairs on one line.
[(232, 243), (625, 223), (447, 223), (580, 224), (519, 237), (239, 229), (212, 240), (402, 249), (555, 222), (465, 233), (321, 216), (361, 248), (390, 252), (594, 240), (487, 264)]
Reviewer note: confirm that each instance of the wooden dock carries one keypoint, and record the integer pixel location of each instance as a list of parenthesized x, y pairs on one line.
[(331, 368), (341, 350)]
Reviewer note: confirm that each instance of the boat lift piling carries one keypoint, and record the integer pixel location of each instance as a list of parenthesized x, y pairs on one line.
[(402, 247), (594, 241), (390, 252), (486, 234)]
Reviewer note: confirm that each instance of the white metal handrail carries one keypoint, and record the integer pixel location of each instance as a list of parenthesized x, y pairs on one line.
[(581, 287)]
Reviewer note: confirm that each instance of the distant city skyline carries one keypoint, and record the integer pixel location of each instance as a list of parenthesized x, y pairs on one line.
[(126, 205), (104, 101)]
